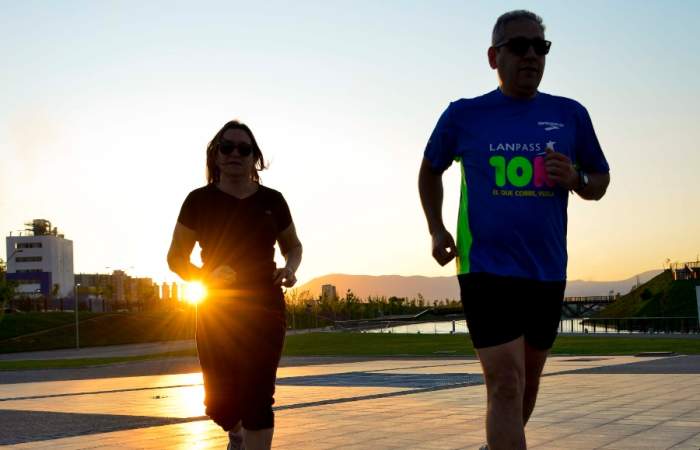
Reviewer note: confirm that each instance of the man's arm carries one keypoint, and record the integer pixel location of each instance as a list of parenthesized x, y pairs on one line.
[(560, 170), (596, 187), (431, 194)]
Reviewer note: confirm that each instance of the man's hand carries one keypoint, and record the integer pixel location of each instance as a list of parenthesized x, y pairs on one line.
[(444, 248), (560, 170), (284, 277)]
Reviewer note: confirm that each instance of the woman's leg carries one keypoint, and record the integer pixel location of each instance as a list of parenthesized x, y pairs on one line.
[(258, 422), (258, 439), (218, 355)]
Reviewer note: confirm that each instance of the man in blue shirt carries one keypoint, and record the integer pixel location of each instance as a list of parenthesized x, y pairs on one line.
[(521, 152)]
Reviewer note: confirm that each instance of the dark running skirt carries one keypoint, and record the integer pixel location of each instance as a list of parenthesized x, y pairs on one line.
[(239, 342)]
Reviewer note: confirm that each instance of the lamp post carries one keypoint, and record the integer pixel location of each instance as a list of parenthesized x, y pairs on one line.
[(77, 332)]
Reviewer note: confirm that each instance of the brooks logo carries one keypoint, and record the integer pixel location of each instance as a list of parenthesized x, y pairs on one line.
[(549, 126)]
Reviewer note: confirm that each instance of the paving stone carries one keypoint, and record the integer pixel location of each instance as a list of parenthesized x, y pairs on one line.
[(377, 403)]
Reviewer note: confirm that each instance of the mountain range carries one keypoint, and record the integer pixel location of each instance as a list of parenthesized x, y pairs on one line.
[(432, 288)]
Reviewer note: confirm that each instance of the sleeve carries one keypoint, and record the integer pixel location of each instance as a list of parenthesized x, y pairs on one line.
[(188, 212), (440, 150), (283, 218), (589, 155)]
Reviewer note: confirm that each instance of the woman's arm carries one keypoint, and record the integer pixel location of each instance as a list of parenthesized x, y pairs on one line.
[(179, 254), (291, 250)]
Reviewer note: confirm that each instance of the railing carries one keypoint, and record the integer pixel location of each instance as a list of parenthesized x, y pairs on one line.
[(641, 324), (379, 322), (592, 299), (686, 271)]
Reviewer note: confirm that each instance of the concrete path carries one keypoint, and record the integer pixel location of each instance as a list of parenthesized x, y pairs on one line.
[(620, 402), (108, 351), (112, 351)]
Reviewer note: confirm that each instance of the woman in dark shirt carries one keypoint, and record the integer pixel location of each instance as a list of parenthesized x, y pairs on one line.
[(241, 323)]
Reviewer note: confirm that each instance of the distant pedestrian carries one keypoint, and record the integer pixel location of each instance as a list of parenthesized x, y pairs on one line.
[(241, 324), (521, 152)]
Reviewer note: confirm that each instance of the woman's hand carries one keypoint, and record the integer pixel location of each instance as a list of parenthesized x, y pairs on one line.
[(284, 277), (221, 276)]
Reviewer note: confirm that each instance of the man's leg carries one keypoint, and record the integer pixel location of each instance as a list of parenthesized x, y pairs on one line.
[(534, 363), (504, 373), (542, 319)]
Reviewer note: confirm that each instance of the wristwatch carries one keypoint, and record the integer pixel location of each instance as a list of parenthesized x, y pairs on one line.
[(582, 180)]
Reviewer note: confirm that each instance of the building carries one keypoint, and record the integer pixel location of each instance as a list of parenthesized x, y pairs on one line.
[(40, 260), (102, 282), (328, 292), (117, 290), (119, 278), (166, 292), (686, 271)]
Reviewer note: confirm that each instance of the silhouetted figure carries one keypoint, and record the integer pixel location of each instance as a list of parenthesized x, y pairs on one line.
[(241, 324)]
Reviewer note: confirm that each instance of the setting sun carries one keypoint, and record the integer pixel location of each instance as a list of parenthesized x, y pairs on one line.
[(195, 292)]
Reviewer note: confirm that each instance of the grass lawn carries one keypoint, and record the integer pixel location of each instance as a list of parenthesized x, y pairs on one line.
[(95, 329), (375, 344), (17, 324), (370, 344)]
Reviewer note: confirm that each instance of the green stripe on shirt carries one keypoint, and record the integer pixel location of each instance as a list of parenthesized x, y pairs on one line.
[(464, 233)]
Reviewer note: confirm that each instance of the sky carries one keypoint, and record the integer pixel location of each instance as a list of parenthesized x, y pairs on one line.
[(107, 108)]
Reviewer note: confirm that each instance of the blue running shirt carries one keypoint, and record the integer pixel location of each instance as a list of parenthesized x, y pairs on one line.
[(512, 218)]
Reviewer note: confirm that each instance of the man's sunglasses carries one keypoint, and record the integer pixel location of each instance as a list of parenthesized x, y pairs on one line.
[(227, 147), (520, 45)]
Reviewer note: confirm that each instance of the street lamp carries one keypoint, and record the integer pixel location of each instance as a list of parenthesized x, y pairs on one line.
[(77, 332)]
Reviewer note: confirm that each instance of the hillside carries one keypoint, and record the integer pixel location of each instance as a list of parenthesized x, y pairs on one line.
[(659, 297), (446, 287)]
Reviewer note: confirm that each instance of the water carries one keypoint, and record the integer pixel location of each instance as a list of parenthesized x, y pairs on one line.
[(566, 326)]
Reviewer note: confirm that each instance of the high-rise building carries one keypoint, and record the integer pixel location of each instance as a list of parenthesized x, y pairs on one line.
[(174, 292), (328, 292), (166, 292), (119, 278), (40, 260)]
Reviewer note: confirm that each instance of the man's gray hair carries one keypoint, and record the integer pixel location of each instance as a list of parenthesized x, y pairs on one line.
[(499, 30)]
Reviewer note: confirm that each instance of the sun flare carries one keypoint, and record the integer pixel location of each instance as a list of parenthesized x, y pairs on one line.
[(195, 292)]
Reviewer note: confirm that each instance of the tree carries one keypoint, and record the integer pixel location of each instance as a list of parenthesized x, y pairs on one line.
[(298, 315), (7, 292)]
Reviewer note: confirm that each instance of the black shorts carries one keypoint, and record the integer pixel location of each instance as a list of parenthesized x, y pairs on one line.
[(239, 343), (500, 309)]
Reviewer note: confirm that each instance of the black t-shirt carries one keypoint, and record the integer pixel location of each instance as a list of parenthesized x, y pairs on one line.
[(237, 232)]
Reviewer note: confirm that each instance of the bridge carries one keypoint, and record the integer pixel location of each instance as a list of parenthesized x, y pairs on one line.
[(583, 306), (573, 307)]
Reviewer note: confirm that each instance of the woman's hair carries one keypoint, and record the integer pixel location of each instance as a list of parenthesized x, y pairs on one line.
[(213, 172)]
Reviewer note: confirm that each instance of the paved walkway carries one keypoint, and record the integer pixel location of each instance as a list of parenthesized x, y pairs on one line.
[(112, 351), (324, 403), (107, 351)]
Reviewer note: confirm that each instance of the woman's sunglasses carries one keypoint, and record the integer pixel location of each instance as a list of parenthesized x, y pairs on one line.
[(520, 45), (227, 147)]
